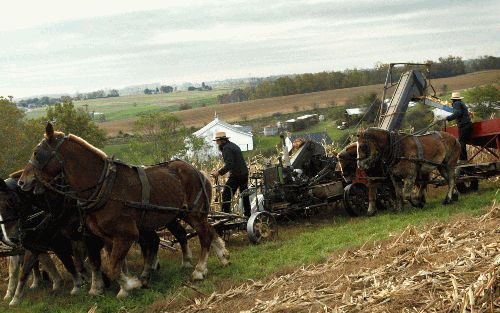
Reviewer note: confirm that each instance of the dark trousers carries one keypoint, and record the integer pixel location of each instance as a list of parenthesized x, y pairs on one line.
[(232, 184), (464, 134)]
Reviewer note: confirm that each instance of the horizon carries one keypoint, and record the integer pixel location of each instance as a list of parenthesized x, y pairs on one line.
[(56, 47)]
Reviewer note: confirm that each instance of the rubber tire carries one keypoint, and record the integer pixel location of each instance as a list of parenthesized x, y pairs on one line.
[(354, 191)]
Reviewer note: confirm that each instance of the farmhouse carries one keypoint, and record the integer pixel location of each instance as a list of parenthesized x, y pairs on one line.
[(240, 135)]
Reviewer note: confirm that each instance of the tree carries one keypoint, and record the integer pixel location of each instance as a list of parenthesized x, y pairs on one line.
[(418, 117), (148, 91), (166, 89), (159, 137), (19, 137), (76, 121), (485, 99), (113, 93)]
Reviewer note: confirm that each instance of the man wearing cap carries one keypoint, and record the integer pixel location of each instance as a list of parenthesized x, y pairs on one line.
[(235, 164), (461, 114)]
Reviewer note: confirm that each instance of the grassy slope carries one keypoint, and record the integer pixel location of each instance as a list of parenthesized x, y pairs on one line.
[(118, 108), (312, 241)]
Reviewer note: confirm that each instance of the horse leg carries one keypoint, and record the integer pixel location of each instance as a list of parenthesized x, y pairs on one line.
[(205, 235), (219, 247), (149, 242), (398, 189), (37, 276), (14, 266), (28, 263), (63, 250), (372, 199), (180, 234), (449, 175), (78, 252), (408, 183), (52, 270), (94, 246)]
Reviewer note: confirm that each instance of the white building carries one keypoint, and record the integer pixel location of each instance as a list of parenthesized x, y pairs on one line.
[(237, 134)]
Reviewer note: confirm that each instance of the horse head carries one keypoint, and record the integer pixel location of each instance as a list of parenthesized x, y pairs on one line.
[(370, 147), (347, 161), (46, 162), (12, 209)]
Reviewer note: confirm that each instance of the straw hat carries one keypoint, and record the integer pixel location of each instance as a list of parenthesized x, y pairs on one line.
[(220, 135), (456, 96)]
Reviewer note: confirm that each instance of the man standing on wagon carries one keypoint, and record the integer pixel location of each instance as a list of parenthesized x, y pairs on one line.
[(235, 164), (461, 114)]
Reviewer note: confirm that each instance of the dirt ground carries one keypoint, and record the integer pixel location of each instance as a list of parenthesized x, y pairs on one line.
[(452, 267), (232, 112)]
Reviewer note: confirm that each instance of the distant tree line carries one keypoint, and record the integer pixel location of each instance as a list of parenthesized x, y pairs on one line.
[(309, 82), (162, 89), (97, 95), (38, 102), (44, 101), (202, 88)]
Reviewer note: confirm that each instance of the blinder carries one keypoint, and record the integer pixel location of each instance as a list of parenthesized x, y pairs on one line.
[(45, 153)]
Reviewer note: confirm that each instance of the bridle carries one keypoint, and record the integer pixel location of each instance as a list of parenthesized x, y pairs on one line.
[(388, 154), (21, 217), (99, 191)]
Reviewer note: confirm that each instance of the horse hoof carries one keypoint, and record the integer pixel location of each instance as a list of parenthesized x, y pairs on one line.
[(446, 201), (131, 283), (15, 301), (187, 264), (197, 275), (75, 291), (34, 286), (96, 292), (122, 294)]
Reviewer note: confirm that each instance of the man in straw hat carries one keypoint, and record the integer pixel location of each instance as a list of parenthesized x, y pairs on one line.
[(461, 114), (235, 164)]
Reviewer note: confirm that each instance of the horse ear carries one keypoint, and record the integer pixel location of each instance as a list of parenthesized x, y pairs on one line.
[(49, 130)]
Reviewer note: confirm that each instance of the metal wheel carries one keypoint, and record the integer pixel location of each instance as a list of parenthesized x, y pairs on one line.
[(468, 186), (356, 199), (261, 227)]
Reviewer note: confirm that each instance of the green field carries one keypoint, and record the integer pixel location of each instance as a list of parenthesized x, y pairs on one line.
[(300, 242), (118, 108)]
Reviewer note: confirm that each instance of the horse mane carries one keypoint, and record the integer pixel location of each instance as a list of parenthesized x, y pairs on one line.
[(82, 142), (16, 174)]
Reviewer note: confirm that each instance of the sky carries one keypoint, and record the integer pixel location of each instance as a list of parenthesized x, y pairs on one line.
[(55, 46)]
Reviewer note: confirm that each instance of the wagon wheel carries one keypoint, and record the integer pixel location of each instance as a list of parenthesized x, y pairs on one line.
[(261, 227), (468, 186), (356, 199)]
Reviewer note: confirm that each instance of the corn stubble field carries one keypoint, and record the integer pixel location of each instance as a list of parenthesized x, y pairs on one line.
[(330, 263)]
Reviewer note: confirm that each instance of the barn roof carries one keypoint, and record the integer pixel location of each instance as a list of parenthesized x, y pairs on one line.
[(215, 122)]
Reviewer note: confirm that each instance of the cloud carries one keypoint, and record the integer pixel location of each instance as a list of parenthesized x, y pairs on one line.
[(112, 44)]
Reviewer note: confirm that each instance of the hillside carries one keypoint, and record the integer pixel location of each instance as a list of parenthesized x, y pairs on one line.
[(198, 117)]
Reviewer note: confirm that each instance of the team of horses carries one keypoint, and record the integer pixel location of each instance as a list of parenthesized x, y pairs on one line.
[(73, 200), (403, 161)]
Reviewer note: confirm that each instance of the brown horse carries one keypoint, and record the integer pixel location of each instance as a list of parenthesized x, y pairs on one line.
[(348, 166), (110, 196), (408, 158)]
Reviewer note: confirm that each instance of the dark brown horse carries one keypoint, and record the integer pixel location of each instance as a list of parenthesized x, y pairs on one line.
[(409, 158), (348, 166), (26, 221), (110, 195)]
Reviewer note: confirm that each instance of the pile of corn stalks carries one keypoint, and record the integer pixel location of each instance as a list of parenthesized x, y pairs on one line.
[(442, 268)]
